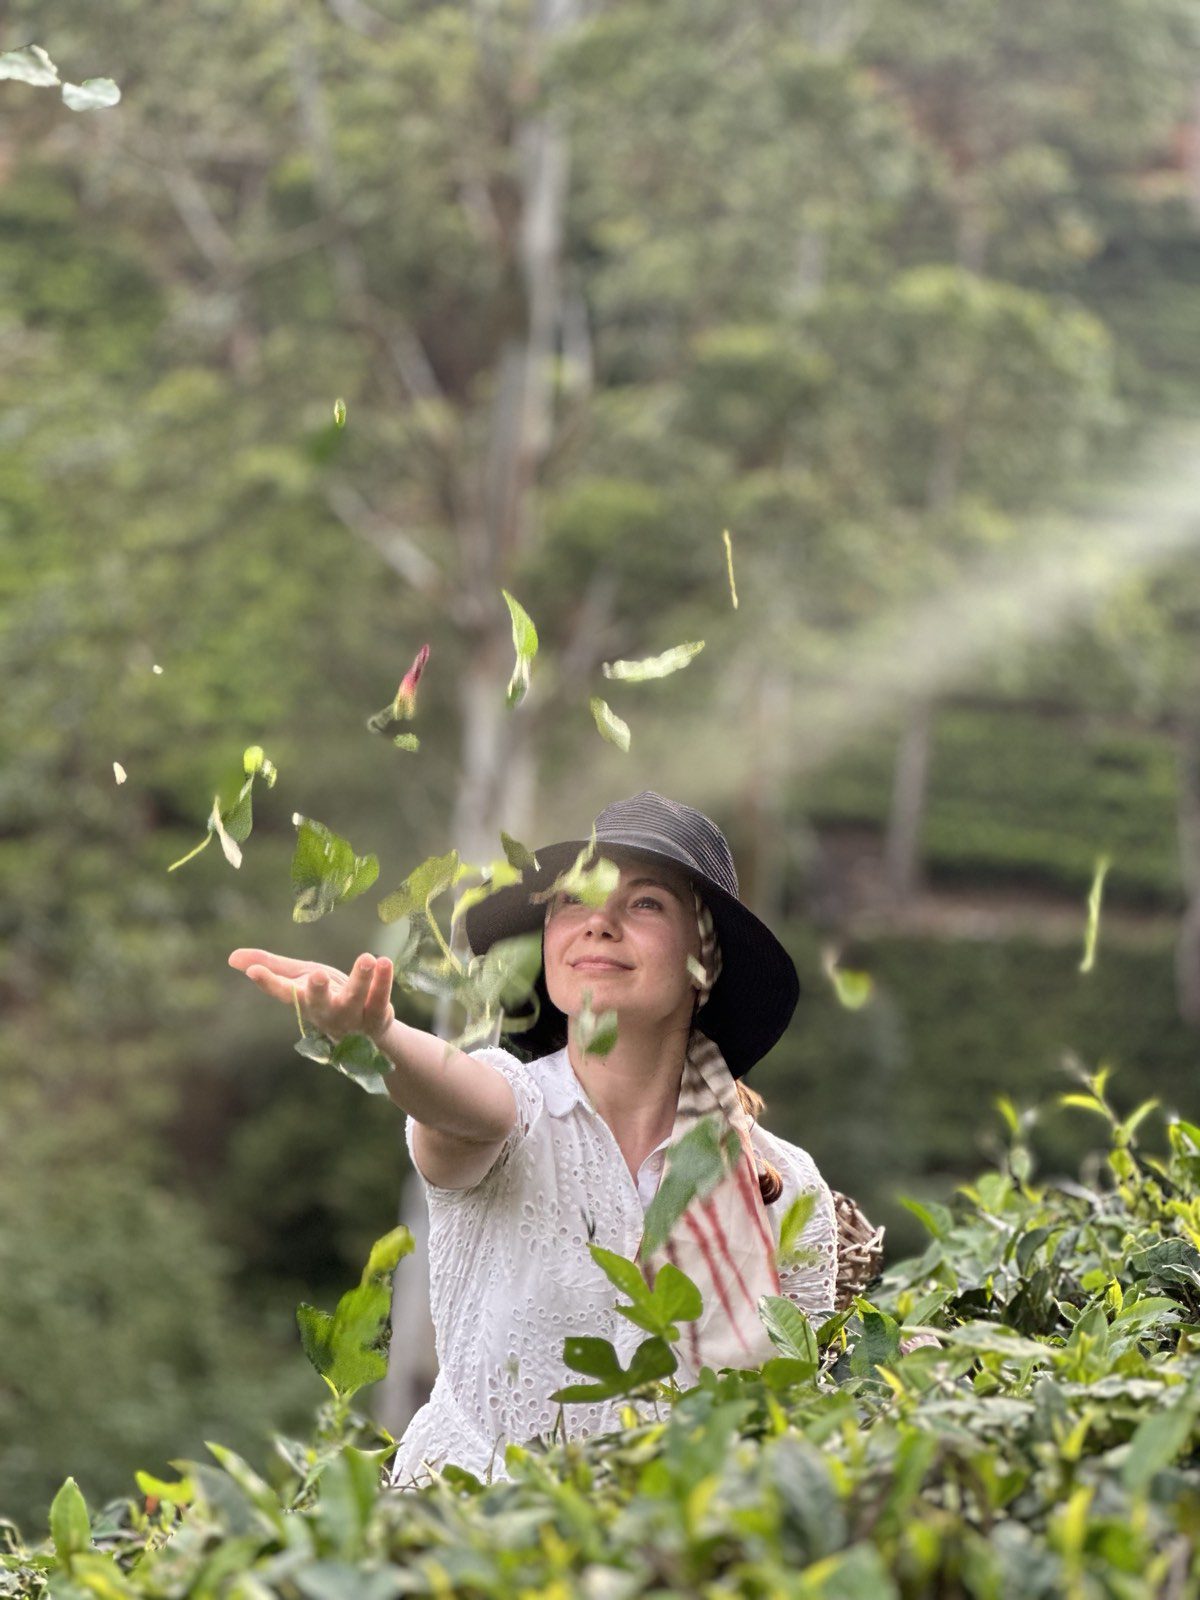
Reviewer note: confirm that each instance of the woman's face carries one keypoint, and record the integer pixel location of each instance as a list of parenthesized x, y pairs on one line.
[(632, 953)]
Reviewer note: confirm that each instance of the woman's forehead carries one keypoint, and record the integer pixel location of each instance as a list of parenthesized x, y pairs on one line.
[(637, 869)]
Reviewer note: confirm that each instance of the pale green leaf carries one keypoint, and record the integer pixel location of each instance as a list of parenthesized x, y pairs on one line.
[(433, 877), (596, 1032), (339, 412), (609, 724), (1093, 922), (30, 64), (325, 870), (673, 660), (525, 643), (93, 94)]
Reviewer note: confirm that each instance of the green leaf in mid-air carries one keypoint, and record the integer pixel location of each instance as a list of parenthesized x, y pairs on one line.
[(30, 64), (517, 854), (525, 643), (349, 1349), (339, 412), (590, 878), (497, 875), (793, 1223), (325, 870), (696, 1163), (609, 724), (853, 989), (404, 702), (231, 820), (595, 1031), (673, 660), (406, 741), (432, 878), (729, 567), (1093, 922), (93, 94)]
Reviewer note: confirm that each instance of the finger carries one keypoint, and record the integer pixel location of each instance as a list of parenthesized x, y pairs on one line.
[(285, 966), (360, 981), (271, 983), (378, 999)]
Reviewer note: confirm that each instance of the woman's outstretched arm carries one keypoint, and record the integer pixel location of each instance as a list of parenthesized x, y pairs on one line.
[(465, 1105)]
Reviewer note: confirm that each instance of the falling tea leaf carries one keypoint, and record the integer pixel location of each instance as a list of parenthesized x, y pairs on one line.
[(595, 1031), (30, 64), (516, 853), (404, 704), (1093, 922), (93, 94), (423, 885), (339, 412), (673, 660), (525, 643), (729, 565), (590, 878), (232, 823), (609, 724), (325, 870), (853, 989), (157, 669), (118, 772), (406, 741)]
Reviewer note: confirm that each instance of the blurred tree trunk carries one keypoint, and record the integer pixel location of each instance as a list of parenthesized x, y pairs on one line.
[(495, 783), (910, 784)]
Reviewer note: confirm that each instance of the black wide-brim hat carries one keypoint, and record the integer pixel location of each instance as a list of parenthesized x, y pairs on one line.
[(751, 1002)]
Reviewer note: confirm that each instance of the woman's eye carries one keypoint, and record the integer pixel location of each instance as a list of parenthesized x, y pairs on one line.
[(569, 900), (649, 900)]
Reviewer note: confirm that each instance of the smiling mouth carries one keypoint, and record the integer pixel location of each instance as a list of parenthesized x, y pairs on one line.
[(601, 963)]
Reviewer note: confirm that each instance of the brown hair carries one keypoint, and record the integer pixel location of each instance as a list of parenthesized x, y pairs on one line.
[(769, 1181)]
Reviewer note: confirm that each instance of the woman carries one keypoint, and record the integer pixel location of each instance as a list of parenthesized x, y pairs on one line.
[(525, 1165)]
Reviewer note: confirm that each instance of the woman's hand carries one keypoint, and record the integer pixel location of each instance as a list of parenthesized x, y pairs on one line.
[(334, 1003)]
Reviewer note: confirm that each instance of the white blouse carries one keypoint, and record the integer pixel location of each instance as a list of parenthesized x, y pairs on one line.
[(511, 1277)]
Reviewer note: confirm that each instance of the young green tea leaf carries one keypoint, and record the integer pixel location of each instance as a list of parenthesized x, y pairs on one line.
[(30, 64), (93, 94), (525, 643), (788, 1329), (70, 1525), (729, 566), (1093, 922), (673, 660), (853, 989), (590, 878), (595, 1031), (695, 1164), (516, 854), (356, 1056), (406, 741), (216, 822), (119, 772), (793, 1223), (325, 870), (349, 1348), (339, 413), (609, 725), (424, 884)]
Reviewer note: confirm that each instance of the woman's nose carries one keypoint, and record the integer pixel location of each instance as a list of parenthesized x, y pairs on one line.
[(601, 920)]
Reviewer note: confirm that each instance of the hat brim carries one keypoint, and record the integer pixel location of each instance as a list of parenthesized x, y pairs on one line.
[(751, 1002)]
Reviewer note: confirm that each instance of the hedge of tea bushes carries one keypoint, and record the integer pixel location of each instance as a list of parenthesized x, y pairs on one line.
[(1044, 1447)]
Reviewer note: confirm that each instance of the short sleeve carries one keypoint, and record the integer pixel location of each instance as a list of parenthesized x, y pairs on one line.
[(811, 1284), (529, 1107)]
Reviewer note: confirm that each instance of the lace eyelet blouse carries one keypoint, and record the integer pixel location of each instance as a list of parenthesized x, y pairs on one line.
[(511, 1276)]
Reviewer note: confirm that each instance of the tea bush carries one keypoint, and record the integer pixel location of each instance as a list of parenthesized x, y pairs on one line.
[(1045, 1447)]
